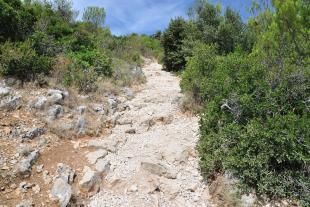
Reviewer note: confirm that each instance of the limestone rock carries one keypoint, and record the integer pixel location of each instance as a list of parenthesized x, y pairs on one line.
[(89, 180), (103, 166), (33, 133), (158, 169), (109, 145), (40, 102), (94, 156), (65, 172), (11, 103), (54, 112), (61, 191), (57, 96), (25, 164), (4, 91)]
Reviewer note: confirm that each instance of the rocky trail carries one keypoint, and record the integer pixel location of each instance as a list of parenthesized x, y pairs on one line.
[(139, 152), (153, 162)]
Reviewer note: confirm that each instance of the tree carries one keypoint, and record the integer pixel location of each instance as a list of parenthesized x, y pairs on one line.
[(95, 15), (64, 8), (16, 20), (229, 32), (172, 42)]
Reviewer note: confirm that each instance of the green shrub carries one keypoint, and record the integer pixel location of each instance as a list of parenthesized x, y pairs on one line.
[(172, 41), (21, 61), (83, 80), (257, 131), (95, 59)]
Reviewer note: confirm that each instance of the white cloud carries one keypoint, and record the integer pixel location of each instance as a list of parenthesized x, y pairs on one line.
[(139, 16)]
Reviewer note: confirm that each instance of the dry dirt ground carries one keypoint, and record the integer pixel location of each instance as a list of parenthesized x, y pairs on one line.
[(151, 156)]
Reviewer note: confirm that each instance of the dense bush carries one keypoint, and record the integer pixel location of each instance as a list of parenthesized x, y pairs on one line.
[(255, 118), (172, 41), (21, 61), (257, 132), (39, 35), (93, 59)]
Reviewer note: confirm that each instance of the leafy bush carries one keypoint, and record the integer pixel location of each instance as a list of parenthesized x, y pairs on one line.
[(172, 41), (94, 59), (21, 61), (257, 132)]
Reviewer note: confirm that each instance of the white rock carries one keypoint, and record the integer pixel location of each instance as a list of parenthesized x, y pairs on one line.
[(90, 179), (65, 172), (40, 102), (133, 188), (92, 157), (103, 166), (4, 91), (158, 169), (24, 166), (36, 189), (61, 191)]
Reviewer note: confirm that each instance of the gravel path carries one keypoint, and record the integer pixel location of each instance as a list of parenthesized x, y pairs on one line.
[(152, 150)]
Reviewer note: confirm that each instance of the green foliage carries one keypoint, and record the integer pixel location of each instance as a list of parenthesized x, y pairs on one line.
[(94, 15), (172, 41), (255, 89), (95, 59), (21, 61), (16, 21)]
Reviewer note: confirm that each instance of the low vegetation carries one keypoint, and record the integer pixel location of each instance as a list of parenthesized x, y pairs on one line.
[(253, 83), (44, 39)]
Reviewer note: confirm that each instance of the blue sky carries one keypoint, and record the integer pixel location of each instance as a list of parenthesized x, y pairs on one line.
[(148, 16)]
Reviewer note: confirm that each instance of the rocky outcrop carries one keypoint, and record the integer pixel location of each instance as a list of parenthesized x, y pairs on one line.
[(62, 192), (11, 103), (33, 133), (25, 165), (92, 157), (90, 179)]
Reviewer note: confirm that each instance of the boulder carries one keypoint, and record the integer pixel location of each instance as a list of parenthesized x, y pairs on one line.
[(40, 102), (89, 180), (61, 191), (4, 91), (24, 166), (11, 103), (81, 126), (158, 169), (25, 150), (109, 145), (57, 96), (54, 112), (65, 172), (113, 103), (103, 166), (33, 133), (92, 157)]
